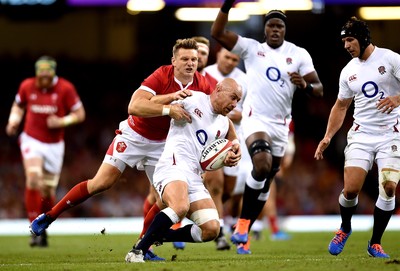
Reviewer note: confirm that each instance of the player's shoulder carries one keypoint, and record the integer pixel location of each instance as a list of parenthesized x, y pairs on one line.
[(292, 46), (28, 82), (164, 69), (385, 52), (248, 40), (65, 84), (210, 67), (196, 95), (201, 83)]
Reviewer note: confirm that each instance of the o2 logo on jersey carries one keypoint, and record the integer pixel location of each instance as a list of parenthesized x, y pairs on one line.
[(371, 89), (202, 136), (274, 75)]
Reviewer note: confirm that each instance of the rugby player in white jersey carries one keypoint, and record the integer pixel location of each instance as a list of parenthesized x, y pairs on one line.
[(178, 174), (372, 80), (221, 183), (275, 68)]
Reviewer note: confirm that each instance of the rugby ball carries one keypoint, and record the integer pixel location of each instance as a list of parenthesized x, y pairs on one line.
[(213, 155)]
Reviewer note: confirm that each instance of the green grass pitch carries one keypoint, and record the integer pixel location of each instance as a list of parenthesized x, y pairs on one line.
[(305, 251)]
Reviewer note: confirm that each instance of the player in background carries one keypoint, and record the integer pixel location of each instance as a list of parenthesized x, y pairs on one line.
[(203, 52), (178, 174), (51, 103), (221, 182), (280, 67), (140, 139), (270, 209), (372, 80)]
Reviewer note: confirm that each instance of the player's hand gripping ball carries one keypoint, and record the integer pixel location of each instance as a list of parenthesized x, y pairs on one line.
[(213, 155)]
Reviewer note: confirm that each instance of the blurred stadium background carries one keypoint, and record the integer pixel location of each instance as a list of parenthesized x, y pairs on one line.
[(107, 52)]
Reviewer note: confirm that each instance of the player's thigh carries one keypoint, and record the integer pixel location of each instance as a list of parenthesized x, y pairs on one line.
[(214, 181), (229, 184)]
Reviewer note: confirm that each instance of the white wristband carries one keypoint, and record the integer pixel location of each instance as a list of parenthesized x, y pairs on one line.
[(166, 110), (69, 119), (235, 141)]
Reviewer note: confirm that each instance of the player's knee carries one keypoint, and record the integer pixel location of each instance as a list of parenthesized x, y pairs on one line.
[(208, 221), (210, 230), (261, 163), (388, 180), (34, 177), (258, 146)]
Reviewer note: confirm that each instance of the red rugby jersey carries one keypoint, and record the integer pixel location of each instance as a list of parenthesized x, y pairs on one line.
[(39, 104), (162, 81)]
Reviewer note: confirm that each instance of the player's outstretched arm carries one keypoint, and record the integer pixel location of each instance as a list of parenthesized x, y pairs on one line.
[(335, 121), (225, 37)]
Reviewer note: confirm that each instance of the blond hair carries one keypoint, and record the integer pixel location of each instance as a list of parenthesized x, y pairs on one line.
[(184, 44), (201, 39)]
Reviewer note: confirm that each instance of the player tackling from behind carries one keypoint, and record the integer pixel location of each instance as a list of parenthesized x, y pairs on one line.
[(51, 104), (140, 139), (372, 80), (178, 174)]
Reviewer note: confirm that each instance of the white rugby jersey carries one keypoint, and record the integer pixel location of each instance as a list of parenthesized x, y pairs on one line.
[(270, 92), (368, 82), (185, 141)]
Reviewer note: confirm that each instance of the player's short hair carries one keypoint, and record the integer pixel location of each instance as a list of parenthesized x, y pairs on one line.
[(359, 30), (184, 44), (278, 14), (202, 39)]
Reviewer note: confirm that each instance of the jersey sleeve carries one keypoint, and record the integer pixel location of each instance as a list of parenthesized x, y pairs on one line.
[(21, 97), (154, 82), (344, 89), (394, 60), (241, 46), (72, 99), (307, 64)]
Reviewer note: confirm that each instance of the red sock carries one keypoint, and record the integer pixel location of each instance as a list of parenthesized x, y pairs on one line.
[(273, 224), (146, 207), (149, 218), (75, 196), (47, 203), (32, 203)]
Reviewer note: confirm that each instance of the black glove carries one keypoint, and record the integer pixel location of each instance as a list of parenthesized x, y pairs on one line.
[(226, 6)]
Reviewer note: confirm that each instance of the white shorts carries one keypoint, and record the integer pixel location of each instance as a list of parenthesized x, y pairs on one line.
[(130, 148), (278, 132), (168, 173), (51, 153), (363, 149), (231, 171)]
